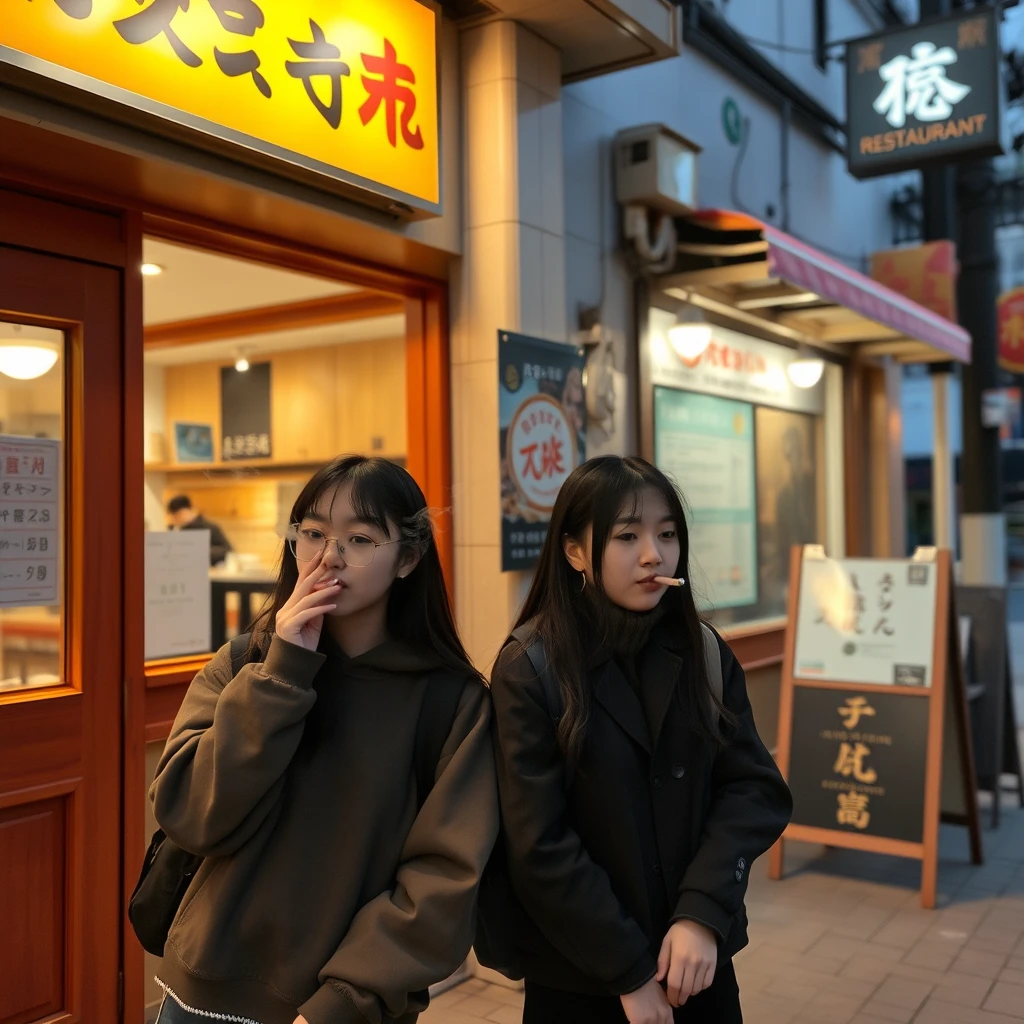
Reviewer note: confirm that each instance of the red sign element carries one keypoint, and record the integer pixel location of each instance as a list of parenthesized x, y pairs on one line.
[(1010, 321), (540, 450)]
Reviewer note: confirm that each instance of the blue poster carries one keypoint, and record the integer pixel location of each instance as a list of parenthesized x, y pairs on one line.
[(706, 445), (542, 422)]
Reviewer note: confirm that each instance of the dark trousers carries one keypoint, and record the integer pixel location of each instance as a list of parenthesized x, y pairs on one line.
[(720, 1004)]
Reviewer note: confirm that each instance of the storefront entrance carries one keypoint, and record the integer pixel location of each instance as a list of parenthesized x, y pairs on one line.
[(61, 609), (92, 390)]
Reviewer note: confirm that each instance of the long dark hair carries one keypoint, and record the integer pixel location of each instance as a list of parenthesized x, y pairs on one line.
[(385, 496), (594, 495)]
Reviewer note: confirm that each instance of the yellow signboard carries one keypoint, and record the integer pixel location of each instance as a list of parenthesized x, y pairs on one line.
[(343, 87)]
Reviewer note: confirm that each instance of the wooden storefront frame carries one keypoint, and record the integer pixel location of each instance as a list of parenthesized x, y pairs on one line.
[(153, 691)]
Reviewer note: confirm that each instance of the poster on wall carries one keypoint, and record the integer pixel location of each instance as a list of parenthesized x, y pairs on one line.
[(706, 445), (245, 412), (866, 621), (542, 427), (787, 498), (29, 522), (177, 593)]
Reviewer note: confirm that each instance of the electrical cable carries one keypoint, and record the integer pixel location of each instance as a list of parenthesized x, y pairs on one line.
[(734, 192), (860, 261)]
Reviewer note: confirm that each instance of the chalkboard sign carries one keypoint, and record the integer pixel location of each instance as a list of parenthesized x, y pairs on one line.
[(860, 762), (245, 413), (873, 733)]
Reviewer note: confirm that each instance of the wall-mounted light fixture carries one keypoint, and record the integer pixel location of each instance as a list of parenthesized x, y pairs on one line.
[(23, 356), (805, 371)]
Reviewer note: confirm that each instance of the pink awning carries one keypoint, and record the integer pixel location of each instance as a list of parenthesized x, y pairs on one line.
[(738, 266), (802, 265)]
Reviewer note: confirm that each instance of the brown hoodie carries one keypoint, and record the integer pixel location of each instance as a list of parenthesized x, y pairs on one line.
[(324, 892)]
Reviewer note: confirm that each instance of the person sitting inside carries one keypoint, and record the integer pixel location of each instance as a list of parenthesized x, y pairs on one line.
[(184, 517)]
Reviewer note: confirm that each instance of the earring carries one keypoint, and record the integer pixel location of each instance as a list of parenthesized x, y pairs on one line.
[(584, 576)]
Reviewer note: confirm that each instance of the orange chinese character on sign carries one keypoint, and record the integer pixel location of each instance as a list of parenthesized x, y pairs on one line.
[(853, 809), (869, 57), (387, 89), (1013, 331), (972, 34), (851, 762), (552, 459), (856, 708)]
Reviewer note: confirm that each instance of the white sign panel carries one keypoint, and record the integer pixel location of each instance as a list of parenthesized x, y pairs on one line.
[(866, 620), (732, 366), (29, 522), (177, 593)]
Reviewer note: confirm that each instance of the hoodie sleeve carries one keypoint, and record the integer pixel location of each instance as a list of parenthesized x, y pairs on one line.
[(421, 932), (223, 766), (751, 806), (569, 896)]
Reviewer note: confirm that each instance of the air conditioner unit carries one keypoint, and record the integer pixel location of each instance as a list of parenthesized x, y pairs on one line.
[(656, 167)]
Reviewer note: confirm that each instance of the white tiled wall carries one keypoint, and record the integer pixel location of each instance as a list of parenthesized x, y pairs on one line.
[(512, 276)]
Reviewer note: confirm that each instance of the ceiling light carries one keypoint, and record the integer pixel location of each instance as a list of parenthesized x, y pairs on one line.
[(151, 269), (806, 370), (689, 340), (241, 364), (24, 360)]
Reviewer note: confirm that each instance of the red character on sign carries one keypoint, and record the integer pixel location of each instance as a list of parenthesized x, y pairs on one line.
[(388, 90), (551, 459)]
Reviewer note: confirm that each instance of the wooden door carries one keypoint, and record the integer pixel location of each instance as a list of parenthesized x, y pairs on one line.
[(61, 613)]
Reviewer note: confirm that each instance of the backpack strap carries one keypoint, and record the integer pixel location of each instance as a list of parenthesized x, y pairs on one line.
[(437, 716), (240, 652), (539, 662), (713, 661)]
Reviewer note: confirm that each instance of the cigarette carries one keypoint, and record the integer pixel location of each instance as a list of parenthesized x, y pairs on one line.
[(668, 581)]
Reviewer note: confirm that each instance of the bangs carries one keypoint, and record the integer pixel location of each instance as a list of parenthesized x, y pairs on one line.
[(371, 493), (619, 495)]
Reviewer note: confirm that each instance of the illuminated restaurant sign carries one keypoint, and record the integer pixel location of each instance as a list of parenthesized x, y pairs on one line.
[(923, 94), (342, 88)]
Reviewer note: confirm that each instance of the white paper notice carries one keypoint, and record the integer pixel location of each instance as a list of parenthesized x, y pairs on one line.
[(177, 593), (29, 522), (865, 620)]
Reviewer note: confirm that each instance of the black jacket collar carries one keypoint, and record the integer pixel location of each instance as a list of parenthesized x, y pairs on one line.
[(659, 666)]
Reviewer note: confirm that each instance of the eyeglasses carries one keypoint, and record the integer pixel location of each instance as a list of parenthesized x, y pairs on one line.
[(308, 543)]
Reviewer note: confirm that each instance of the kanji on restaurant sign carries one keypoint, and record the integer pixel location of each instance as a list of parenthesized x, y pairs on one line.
[(346, 88)]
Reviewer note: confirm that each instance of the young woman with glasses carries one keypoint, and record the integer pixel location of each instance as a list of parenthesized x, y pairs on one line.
[(337, 885)]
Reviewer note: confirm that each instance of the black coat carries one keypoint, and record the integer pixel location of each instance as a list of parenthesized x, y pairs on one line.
[(651, 827)]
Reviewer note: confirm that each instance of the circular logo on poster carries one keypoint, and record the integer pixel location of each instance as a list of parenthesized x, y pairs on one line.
[(540, 449), (849, 648), (512, 380)]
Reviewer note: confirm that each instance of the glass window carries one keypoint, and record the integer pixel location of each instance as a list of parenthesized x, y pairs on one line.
[(31, 506), (298, 370)]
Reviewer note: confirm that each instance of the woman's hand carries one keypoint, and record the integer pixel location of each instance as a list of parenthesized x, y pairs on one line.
[(647, 1005), (302, 617), (688, 959)]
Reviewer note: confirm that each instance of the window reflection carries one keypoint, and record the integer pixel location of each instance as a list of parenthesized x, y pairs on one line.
[(31, 506)]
